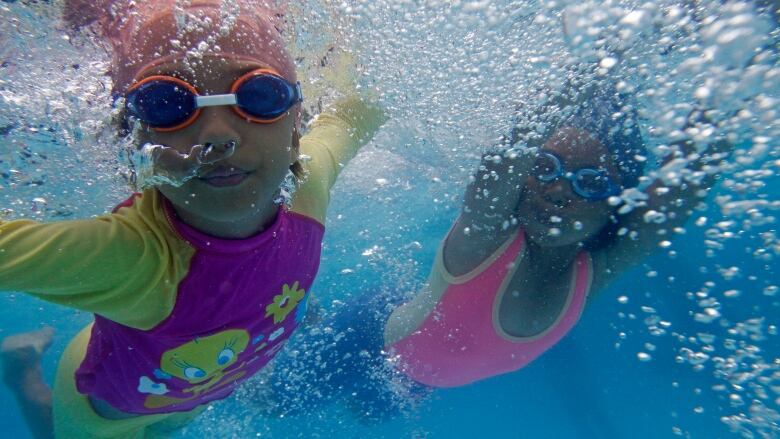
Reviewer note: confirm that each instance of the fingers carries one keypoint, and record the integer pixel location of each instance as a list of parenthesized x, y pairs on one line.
[(159, 165), (216, 152)]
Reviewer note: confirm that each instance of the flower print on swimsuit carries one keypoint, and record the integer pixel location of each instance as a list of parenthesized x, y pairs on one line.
[(284, 303)]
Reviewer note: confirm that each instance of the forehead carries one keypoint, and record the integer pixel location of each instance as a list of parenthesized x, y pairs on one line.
[(161, 38), (208, 74), (578, 148)]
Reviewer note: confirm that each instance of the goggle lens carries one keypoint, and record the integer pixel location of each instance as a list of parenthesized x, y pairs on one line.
[(161, 104), (592, 184), (547, 167), (264, 97)]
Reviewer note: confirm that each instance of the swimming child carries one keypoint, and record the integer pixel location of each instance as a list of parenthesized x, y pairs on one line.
[(539, 234), (198, 281)]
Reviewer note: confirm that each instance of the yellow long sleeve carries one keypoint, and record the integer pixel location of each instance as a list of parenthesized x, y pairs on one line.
[(333, 141), (123, 266)]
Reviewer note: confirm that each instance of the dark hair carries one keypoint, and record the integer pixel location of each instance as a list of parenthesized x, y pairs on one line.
[(606, 114), (609, 117)]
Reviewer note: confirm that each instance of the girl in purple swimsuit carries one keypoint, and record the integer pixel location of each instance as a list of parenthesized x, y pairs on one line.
[(197, 281)]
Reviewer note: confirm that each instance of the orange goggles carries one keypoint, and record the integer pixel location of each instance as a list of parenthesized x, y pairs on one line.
[(166, 103)]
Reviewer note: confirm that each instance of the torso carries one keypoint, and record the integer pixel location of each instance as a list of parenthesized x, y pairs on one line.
[(534, 298), (469, 327), (236, 306)]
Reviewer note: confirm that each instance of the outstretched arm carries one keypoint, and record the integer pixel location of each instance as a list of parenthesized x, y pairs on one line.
[(334, 139), (115, 266), (488, 218), (684, 180)]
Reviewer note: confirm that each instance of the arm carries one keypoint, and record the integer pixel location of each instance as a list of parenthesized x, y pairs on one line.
[(488, 217), (112, 266), (334, 139), (685, 179)]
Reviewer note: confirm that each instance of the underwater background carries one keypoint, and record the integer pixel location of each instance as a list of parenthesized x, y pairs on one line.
[(684, 344)]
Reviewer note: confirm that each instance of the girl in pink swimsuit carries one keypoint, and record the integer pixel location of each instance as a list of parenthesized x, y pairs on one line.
[(537, 236), (197, 282)]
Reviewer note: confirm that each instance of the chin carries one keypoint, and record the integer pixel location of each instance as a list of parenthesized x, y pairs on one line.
[(229, 205)]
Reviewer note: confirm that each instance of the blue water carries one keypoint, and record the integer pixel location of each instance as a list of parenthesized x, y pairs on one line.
[(384, 226)]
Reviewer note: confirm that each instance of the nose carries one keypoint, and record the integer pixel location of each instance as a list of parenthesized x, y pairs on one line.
[(216, 127)]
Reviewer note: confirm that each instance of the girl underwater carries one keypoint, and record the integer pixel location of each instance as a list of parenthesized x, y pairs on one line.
[(196, 282), (539, 234)]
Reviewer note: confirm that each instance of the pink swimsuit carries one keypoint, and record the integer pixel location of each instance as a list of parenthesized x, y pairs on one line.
[(461, 340)]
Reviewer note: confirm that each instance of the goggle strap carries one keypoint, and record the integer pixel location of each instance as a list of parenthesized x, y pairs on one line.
[(216, 100), (299, 92)]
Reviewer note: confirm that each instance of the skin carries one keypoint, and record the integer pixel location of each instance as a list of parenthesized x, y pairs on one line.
[(263, 151), (538, 290)]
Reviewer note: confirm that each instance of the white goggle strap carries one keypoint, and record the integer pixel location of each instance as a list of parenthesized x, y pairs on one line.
[(215, 100)]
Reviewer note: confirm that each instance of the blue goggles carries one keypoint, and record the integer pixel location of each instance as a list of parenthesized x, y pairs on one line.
[(166, 103), (589, 183)]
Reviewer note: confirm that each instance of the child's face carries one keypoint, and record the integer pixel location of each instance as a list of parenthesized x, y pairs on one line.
[(245, 183), (553, 214)]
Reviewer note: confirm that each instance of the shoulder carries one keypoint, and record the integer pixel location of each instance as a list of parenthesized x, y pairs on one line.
[(148, 218)]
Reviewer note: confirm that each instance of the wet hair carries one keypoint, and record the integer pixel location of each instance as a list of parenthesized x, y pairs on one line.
[(609, 118), (594, 106), (606, 114)]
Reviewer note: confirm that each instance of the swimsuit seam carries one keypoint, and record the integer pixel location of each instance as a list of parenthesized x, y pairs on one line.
[(306, 218), (479, 269), (195, 252)]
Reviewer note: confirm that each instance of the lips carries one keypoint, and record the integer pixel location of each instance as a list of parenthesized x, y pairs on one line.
[(224, 176)]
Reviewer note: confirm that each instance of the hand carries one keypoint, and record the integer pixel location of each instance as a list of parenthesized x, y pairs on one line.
[(157, 165), (495, 189)]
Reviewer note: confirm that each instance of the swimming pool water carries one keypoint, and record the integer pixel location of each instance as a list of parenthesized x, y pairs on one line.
[(643, 361)]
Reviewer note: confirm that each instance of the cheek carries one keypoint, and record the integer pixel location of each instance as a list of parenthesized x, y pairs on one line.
[(274, 140)]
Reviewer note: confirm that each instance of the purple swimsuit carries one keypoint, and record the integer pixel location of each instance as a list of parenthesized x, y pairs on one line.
[(234, 309)]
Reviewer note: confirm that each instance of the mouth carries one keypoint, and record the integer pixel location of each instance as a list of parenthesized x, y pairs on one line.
[(224, 176)]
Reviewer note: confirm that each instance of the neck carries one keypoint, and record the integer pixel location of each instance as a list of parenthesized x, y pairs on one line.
[(239, 228)]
